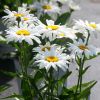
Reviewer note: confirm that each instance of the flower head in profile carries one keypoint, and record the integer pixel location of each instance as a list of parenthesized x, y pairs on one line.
[(52, 58), (67, 33), (85, 26), (23, 32), (92, 26), (51, 30), (79, 47), (43, 48)]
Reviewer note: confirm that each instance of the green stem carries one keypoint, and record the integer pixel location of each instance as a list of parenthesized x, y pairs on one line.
[(80, 76), (81, 70), (78, 83), (87, 38), (51, 80), (57, 82)]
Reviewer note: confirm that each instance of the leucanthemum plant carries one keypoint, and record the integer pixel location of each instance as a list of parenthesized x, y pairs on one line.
[(47, 47)]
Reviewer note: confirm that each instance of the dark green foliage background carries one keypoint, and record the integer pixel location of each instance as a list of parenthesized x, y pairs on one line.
[(13, 4)]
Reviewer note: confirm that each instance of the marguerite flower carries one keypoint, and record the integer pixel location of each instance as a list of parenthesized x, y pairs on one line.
[(13, 15), (51, 30), (92, 26), (52, 58), (83, 26), (79, 47), (43, 48), (23, 32), (46, 7)]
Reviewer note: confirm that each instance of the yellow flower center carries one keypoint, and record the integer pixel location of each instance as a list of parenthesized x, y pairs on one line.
[(47, 7), (93, 25), (23, 32), (53, 27), (83, 47), (25, 19), (62, 34), (52, 59), (19, 15), (48, 48)]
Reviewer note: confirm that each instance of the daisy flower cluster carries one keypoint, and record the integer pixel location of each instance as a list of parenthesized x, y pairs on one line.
[(47, 44), (25, 26)]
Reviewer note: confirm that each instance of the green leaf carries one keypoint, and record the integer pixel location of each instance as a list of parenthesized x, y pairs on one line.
[(67, 91), (44, 17), (39, 75), (63, 41), (94, 56), (85, 93), (84, 85), (59, 84), (26, 89), (11, 74), (4, 87), (14, 96), (85, 69), (62, 19)]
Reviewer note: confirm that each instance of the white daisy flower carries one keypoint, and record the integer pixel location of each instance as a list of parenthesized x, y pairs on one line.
[(52, 58), (23, 32), (13, 15), (80, 27), (78, 47), (68, 33), (51, 30), (92, 26), (43, 48), (83, 26), (46, 7)]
